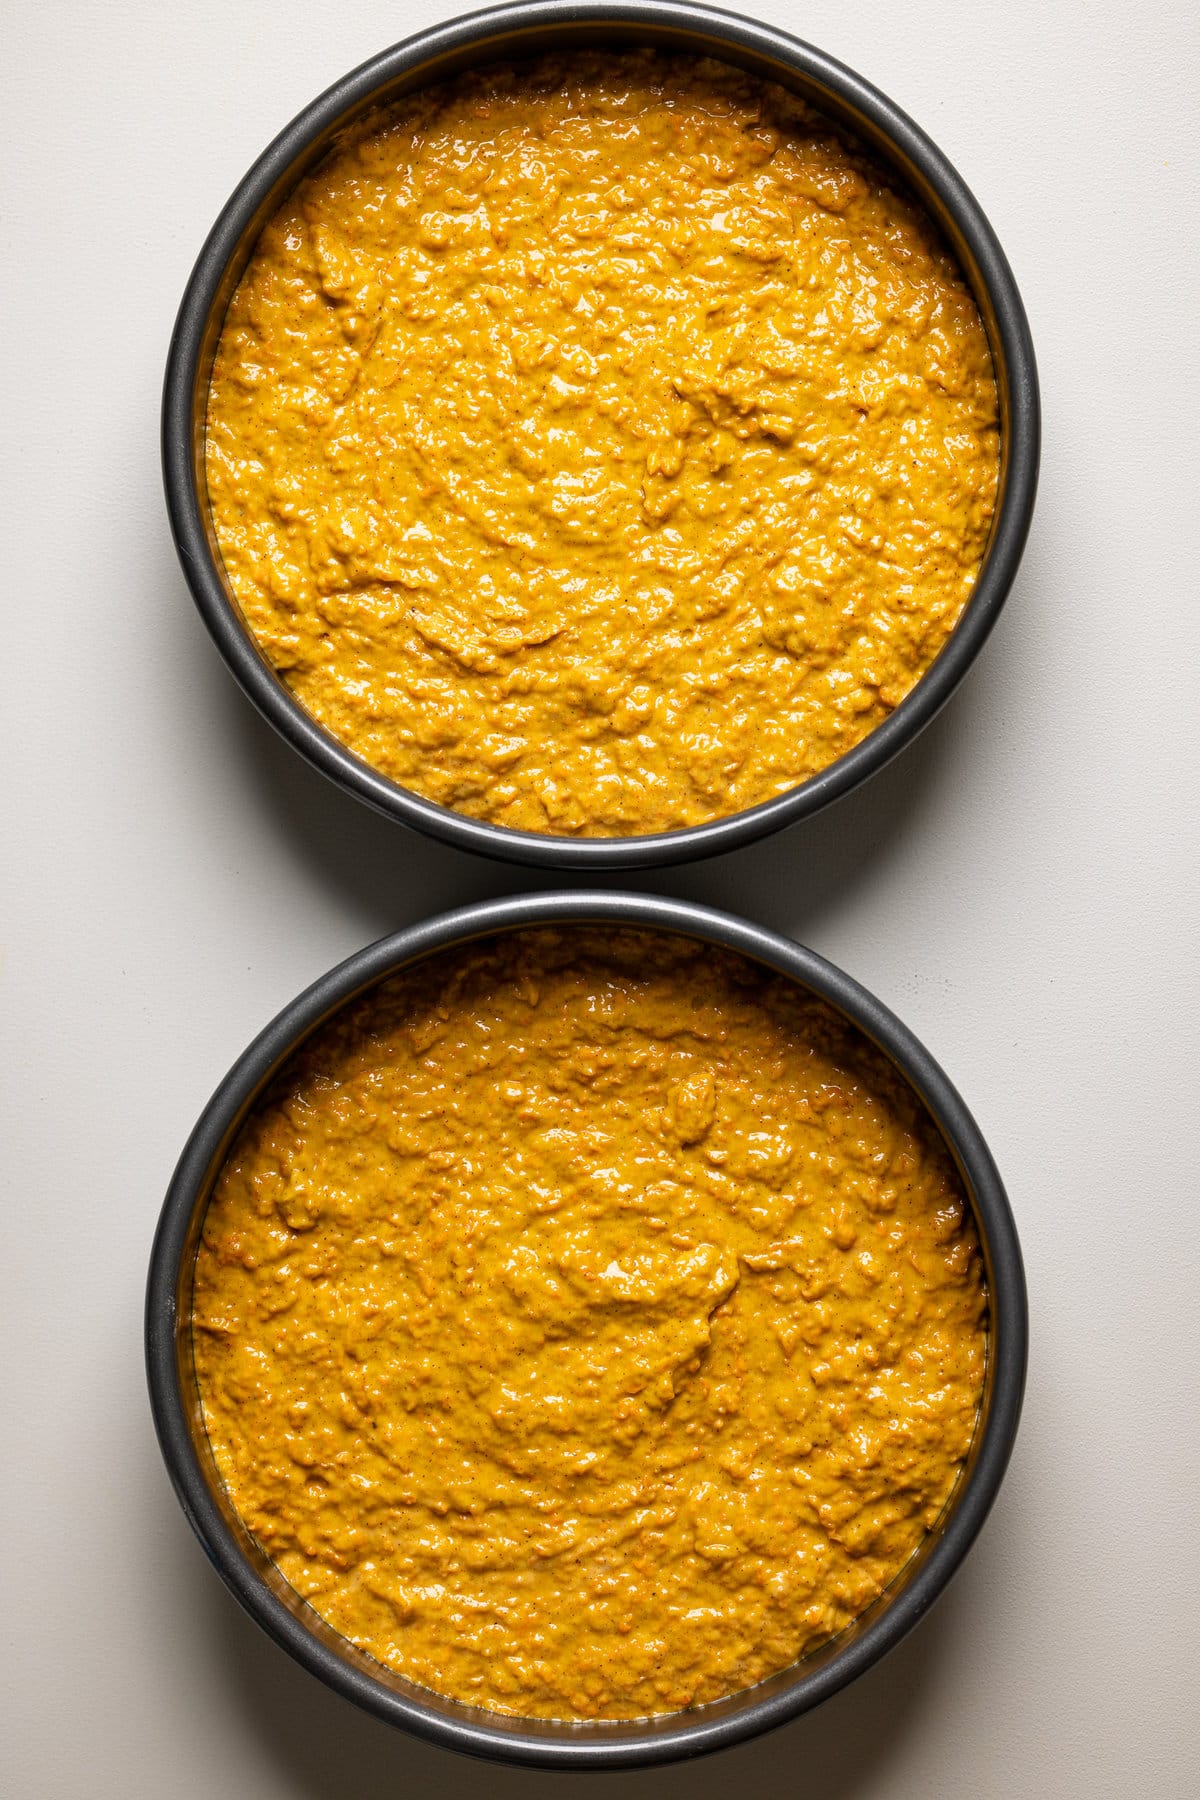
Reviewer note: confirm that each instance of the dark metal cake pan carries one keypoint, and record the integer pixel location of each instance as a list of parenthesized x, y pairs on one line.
[(521, 30), (259, 1586)]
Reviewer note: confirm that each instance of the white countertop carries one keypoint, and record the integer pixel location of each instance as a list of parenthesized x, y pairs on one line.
[(1021, 887)]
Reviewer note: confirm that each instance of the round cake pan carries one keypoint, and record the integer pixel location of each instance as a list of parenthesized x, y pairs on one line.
[(258, 1585), (520, 30)]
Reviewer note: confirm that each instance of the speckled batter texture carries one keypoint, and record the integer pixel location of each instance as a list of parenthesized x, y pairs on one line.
[(589, 1324), (602, 446)]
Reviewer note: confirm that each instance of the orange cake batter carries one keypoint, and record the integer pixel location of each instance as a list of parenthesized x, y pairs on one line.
[(589, 1324), (603, 445)]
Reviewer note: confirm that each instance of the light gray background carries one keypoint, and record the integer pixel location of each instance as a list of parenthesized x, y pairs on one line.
[(1021, 888)]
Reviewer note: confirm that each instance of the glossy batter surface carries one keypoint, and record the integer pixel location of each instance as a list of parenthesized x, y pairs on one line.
[(602, 446), (589, 1324)]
